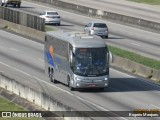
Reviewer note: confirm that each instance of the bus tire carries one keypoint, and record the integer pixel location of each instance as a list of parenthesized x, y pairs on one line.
[(69, 84), (52, 79), (101, 89)]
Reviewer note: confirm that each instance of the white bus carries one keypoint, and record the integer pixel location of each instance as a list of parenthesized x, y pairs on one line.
[(76, 59)]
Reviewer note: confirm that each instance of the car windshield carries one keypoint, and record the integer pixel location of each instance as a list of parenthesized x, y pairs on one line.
[(90, 61), (100, 25), (52, 13)]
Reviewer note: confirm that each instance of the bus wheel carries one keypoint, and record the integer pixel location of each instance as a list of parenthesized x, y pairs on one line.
[(69, 84), (101, 89), (52, 79)]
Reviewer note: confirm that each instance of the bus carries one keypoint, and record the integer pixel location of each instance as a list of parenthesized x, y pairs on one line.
[(76, 59)]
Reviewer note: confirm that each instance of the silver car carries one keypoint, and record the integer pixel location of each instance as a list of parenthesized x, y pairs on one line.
[(97, 28), (51, 17)]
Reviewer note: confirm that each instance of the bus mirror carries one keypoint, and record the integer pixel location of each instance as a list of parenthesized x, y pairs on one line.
[(107, 57), (110, 57)]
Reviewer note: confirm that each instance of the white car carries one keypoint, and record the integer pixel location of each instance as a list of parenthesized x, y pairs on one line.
[(51, 17), (97, 28), (11, 2)]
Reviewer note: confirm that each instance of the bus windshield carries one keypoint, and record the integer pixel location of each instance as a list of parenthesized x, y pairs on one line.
[(91, 61)]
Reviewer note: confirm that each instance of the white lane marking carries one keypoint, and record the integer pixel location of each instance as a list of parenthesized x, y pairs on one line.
[(78, 97), (137, 78), (14, 49), (52, 85), (155, 106), (114, 89), (15, 69), (59, 88), (135, 44), (141, 30)]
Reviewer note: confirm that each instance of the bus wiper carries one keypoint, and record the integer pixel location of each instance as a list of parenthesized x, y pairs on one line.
[(97, 69), (86, 68)]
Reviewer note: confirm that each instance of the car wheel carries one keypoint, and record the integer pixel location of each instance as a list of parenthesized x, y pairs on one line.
[(2, 4), (106, 36), (5, 5), (19, 5)]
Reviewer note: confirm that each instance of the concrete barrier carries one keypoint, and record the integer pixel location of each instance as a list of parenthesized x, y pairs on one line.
[(39, 98), (103, 14), (136, 68), (23, 30), (22, 18)]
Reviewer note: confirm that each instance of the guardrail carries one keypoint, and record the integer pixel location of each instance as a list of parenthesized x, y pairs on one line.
[(22, 18)]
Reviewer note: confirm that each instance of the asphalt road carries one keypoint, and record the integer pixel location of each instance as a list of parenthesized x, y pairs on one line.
[(126, 92), (142, 42), (125, 7)]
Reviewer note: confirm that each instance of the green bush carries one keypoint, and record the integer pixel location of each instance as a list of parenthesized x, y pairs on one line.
[(135, 57), (153, 2)]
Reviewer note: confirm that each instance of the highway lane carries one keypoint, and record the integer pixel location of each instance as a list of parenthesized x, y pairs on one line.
[(126, 92), (139, 10), (140, 41)]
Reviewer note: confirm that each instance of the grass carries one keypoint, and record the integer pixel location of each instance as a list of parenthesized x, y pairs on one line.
[(135, 57), (152, 2), (9, 106), (5, 27), (47, 28)]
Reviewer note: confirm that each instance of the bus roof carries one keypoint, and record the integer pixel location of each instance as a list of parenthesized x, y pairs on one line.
[(78, 39)]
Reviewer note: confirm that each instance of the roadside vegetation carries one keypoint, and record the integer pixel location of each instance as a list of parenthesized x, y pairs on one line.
[(153, 2), (48, 28), (6, 105), (135, 57)]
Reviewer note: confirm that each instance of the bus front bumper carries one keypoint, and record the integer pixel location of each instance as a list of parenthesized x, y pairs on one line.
[(103, 84)]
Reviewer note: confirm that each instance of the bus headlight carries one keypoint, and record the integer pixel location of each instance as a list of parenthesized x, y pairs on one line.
[(77, 79), (105, 78)]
